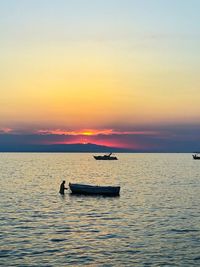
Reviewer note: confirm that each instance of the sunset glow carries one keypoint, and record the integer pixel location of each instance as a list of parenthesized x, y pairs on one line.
[(104, 137)]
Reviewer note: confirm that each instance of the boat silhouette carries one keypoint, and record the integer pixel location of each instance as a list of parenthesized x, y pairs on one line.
[(106, 157), (196, 155), (84, 189)]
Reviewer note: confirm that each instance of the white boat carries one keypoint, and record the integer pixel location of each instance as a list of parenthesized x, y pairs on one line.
[(94, 189)]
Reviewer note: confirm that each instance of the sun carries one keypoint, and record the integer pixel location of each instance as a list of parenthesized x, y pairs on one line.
[(87, 133)]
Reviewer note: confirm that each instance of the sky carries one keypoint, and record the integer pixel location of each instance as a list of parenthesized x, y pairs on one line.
[(120, 73)]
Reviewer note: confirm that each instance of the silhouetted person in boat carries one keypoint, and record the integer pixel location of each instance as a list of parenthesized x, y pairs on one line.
[(62, 188)]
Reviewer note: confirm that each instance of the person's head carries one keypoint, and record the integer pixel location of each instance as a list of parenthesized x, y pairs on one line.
[(64, 182)]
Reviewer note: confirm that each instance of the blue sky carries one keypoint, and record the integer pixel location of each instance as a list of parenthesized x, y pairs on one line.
[(114, 17)]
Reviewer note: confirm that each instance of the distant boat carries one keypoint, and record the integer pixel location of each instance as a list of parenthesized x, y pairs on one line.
[(106, 157), (196, 155), (94, 190)]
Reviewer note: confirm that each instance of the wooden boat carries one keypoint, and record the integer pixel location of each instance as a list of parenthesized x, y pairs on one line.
[(106, 157), (94, 190), (196, 155)]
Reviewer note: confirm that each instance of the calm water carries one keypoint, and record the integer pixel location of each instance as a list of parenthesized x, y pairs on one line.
[(154, 222)]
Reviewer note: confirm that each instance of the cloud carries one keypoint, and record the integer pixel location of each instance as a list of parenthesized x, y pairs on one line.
[(93, 132), (154, 138), (5, 130)]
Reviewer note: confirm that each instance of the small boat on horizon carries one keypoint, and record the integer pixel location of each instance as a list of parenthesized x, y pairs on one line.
[(196, 155), (106, 157), (84, 189)]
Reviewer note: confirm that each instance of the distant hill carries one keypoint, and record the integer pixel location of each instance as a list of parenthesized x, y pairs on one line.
[(62, 148)]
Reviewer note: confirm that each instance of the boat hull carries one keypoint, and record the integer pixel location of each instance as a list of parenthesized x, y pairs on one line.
[(105, 158), (94, 190), (195, 157)]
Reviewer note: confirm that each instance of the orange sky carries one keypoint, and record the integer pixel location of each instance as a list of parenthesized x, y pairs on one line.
[(73, 67)]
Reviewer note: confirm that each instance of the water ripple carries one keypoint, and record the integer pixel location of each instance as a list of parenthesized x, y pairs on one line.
[(154, 222)]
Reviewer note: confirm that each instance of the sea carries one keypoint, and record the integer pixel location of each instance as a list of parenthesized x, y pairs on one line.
[(154, 222)]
